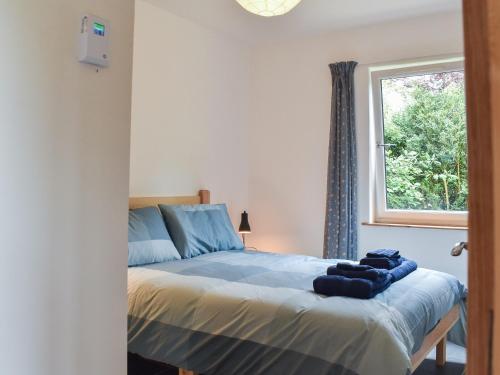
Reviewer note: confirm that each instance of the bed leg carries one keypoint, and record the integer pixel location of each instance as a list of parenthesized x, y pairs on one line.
[(186, 372), (441, 352)]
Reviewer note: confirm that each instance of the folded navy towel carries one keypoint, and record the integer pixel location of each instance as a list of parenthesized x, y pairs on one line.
[(383, 253), (356, 271), (352, 266), (357, 288), (385, 263), (403, 270)]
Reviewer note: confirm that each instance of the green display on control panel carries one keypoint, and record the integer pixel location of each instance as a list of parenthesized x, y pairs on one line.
[(99, 29)]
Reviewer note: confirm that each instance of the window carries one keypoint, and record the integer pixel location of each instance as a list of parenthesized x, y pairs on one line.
[(421, 144)]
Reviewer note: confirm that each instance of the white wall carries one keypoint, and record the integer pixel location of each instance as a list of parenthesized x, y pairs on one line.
[(290, 130), (64, 153), (190, 114)]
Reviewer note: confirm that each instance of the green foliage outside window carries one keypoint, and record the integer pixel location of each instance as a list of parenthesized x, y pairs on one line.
[(424, 119)]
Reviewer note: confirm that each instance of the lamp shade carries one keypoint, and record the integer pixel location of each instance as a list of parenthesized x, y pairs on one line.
[(244, 225), (268, 8)]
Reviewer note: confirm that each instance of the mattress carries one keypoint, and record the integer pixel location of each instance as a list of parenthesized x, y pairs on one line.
[(244, 312)]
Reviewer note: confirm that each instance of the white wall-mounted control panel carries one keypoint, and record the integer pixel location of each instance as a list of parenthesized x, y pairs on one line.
[(94, 41)]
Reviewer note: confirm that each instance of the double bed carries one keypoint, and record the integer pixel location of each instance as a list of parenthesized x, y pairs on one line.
[(253, 312)]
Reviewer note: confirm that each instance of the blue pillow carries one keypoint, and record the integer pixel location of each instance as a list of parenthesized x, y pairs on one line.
[(200, 229), (148, 239)]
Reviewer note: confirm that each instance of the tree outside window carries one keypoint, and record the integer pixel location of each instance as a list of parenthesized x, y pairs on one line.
[(425, 133)]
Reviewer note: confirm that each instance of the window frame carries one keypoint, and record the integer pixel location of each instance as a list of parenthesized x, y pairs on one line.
[(394, 216)]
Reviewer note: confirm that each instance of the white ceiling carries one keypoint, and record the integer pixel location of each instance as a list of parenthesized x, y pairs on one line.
[(308, 18)]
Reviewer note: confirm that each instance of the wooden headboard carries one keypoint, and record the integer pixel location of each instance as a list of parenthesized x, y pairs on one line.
[(203, 197)]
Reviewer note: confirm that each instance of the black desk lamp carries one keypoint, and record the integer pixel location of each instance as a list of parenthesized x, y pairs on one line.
[(244, 226)]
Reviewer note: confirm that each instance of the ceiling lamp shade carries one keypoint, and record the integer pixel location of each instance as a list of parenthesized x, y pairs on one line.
[(268, 8)]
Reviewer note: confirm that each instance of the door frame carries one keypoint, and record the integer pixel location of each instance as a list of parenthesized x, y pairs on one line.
[(482, 69)]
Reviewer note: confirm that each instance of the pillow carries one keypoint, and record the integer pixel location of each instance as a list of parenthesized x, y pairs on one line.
[(200, 229), (148, 239)]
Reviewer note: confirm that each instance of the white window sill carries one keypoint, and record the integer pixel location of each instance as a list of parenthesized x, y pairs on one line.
[(421, 226)]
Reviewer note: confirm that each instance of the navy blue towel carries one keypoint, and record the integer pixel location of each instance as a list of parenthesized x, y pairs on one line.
[(352, 266), (407, 267), (383, 253), (356, 271), (382, 262), (347, 287)]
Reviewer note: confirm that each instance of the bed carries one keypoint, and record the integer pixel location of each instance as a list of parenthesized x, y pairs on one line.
[(253, 312)]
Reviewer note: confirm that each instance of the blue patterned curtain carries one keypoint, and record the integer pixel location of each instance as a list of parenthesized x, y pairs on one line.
[(341, 225)]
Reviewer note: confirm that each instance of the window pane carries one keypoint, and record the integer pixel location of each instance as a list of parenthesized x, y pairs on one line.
[(425, 124)]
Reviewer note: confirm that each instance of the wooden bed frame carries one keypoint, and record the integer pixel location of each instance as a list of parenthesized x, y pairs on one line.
[(434, 339), (203, 197)]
